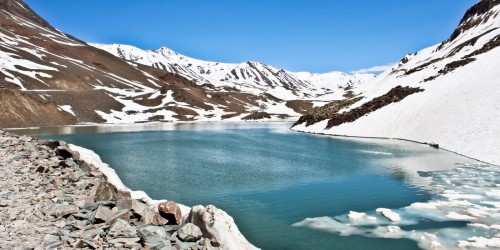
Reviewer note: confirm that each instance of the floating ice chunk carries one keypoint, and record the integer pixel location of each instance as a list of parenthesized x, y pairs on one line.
[(356, 216), (457, 216), (479, 242), (457, 196), (393, 232), (389, 214)]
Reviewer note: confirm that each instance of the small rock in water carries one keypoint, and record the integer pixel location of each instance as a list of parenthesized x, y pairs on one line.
[(189, 233), (170, 211)]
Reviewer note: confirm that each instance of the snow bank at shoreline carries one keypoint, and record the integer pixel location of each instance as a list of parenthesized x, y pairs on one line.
[(219, 223), (453, 111)]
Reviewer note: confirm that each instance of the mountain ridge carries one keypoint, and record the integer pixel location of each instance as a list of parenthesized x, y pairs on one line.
[(245, 75)]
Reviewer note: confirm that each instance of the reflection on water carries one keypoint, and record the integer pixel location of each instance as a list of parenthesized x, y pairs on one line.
[(154, 126), (266, 176)]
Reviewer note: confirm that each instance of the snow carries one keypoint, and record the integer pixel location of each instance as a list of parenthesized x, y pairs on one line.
[(68, 109)]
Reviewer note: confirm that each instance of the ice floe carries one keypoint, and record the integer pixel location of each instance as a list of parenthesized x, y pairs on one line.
[(464, 212)]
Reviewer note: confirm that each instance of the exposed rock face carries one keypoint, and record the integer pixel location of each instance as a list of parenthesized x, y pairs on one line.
[(170, 211), (473, 16), (257, 116), (325, 112), (394, 95)]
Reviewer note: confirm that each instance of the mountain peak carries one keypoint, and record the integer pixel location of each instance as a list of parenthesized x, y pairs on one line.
[(476, 15)]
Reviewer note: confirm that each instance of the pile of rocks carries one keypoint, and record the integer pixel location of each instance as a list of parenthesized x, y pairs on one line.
[(51, 199)]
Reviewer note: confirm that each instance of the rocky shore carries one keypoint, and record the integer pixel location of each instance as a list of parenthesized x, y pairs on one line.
[(58, 196)]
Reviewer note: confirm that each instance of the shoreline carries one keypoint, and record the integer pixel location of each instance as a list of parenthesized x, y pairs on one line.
[(216, 228), (394, 138)]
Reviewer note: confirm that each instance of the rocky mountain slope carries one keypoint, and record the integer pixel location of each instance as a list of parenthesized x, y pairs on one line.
[(50, 78), (447, 94), (249, 77)]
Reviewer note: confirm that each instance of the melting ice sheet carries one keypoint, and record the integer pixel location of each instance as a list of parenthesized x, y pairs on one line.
[(464, 212)]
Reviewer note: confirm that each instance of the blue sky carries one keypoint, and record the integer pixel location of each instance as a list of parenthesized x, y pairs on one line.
[(298, 35)]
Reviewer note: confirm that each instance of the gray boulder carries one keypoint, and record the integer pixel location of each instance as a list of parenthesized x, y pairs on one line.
[(102, 214), (155, 242), (122, 228), (189, 233), (153, 230)]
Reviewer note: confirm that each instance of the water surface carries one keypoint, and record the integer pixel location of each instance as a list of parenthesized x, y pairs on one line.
[(266, 176)]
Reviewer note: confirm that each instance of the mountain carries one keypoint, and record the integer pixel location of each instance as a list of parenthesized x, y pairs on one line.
[(249, 77), (50, 78), (447, 94)]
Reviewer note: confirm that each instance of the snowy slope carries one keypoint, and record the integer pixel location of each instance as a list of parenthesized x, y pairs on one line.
[(459, 108), (251, 77)]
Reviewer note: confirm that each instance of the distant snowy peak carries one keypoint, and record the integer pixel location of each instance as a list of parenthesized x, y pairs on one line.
[(248, 76)]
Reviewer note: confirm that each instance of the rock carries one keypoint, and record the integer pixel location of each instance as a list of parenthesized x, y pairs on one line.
[(84, 166), (153, 230), (105, 191), (151, 217), (122, 228), (102, 214), (54, 245), (170, 211), (124, 203), (126, 241), (64, 152), (189, 232), (77, 175), (60, 210), (90, 234), (52, 144), (49, 238), (155, 242), (121, 214), (138, 208), (94, 205), (217, 224), (40, 169), (214, 243), (90, 244)]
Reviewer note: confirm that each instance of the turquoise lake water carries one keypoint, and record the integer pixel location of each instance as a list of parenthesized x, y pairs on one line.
[(266, 176)]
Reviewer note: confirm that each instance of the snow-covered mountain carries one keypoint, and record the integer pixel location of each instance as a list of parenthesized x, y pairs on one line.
[(249, 77), (448, 94), (50, 78)]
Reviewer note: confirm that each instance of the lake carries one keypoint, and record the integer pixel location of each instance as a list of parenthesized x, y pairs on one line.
[(269, 178)]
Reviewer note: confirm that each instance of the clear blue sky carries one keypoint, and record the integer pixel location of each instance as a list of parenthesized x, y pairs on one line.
[(298, 35)]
